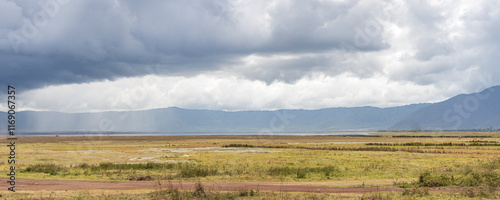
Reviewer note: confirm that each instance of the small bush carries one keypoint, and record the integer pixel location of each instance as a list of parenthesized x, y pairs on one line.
[(328, 170), (301, 173), (281, 171), (470, 179), (199, 190), (238, 145), (492, 165), (432, 179), (171, 193), (465, 177), (84, 166), (51, 169), (246, 193), (420, 192), (123, 166), (376, 196), (471, 193), (197, 171), (402, 184)]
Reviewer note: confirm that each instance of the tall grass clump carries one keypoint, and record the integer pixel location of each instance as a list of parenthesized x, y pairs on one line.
[(51, 169), (181, 170), (467, 178), (123, 166), (301, 172), (483, 178), (190, 171)]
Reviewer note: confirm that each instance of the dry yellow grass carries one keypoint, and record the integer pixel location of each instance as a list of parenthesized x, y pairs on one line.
[(298, 158)]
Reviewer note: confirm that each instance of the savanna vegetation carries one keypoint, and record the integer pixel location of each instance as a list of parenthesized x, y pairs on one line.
[(446, 165)]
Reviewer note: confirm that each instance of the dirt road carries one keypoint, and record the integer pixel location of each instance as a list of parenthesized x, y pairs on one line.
[(51, 185)]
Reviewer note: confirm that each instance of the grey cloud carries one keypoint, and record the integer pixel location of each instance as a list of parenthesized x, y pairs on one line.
[(453, 45), (290, 69), (315, 26), (10, 14), (85, 41), (286, 69), (424, 14), (431, 47)]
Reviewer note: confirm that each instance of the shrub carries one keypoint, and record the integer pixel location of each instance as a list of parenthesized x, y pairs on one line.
[(238, 145), (199, 190), (281, 171), (420, 192), (301, 173), (329, 170), (467, 177), (470, 179), (432, 179), (51, 169), (196, 171), (402, 184), (376, 196), (246, 193)]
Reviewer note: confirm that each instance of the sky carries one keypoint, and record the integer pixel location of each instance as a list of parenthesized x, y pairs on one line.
[(109, 55)]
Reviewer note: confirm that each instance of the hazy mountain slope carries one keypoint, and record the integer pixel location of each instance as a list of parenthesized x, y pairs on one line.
[(477, 110), (186, 120)]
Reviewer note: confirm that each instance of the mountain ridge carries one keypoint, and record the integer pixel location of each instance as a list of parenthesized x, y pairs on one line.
[(463, 111), (174, 119)]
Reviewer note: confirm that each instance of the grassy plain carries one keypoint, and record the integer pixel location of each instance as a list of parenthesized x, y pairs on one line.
[(466, 165)]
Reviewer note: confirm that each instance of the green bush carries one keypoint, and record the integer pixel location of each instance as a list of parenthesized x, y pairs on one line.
[(492, 165), (402, 184), (282, 171), (197, 171), (470, 179), (246, 193), (420, 192), (328, 170), (51, 169), (433, 179), (466, 177), (123, 166), (301, 172)]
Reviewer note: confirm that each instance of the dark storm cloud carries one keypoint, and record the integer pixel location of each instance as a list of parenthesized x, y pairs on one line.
[(71, 41), (55, 42), (221, 53)]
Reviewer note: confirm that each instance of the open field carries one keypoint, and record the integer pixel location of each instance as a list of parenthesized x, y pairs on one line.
[(405, 165)]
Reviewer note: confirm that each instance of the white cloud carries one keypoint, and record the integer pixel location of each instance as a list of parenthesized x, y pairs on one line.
[(228, 93)]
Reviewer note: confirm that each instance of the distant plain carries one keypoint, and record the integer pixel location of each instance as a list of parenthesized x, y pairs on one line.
[(467, 161)]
